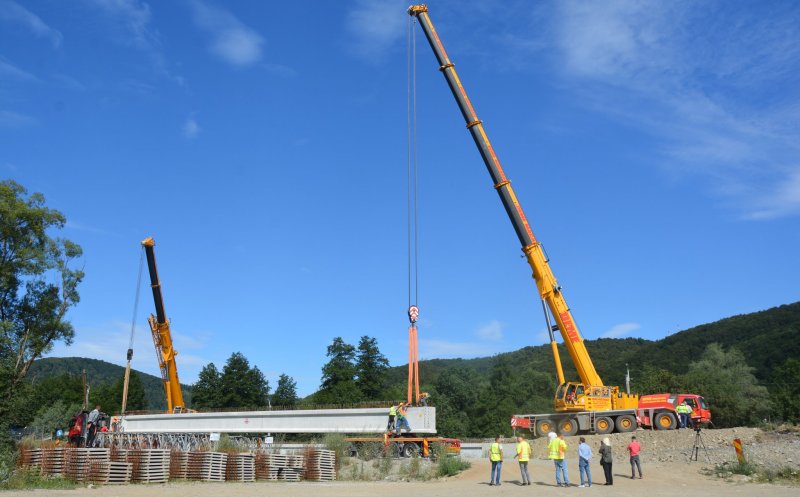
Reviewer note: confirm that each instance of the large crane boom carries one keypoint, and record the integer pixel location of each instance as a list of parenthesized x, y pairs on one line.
[(594, 395), (162, 337)]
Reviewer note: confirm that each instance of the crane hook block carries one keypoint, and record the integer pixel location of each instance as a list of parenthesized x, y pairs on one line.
[(413, 314)]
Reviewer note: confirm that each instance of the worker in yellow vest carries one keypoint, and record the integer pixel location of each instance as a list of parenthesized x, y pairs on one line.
[(557, 449), (496, 456), (392, 414), (523, 456)]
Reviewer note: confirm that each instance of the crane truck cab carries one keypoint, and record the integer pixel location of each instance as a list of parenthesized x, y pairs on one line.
[(658, 410)]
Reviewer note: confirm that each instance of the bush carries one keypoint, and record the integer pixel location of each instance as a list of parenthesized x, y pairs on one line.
[(338, 444), (451, 466), (30, 478)]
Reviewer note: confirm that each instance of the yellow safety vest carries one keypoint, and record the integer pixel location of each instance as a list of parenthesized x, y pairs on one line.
[(494, 452), (393, 411), (557, 448), (523, 451)]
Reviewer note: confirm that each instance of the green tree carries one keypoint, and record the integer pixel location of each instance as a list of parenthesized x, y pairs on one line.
[(242, 386), (338, 375), (785, 390), (37, 285), (455, 394), (371, 366), (206, 393), (729, 386), (109, 396), (53, 416), (285, 393), (656, 380)]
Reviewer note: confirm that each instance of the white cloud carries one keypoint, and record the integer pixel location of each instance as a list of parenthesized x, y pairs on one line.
[(190, 128), (621, 330), (490, 331), (375, 26), (231, 40), (713, 93), (443, 349), (14, 13), (133, 19), (10, 71), (9, 119), (109, 342)]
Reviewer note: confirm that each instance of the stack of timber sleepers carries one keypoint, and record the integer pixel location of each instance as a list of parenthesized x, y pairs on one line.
[(178, 464), (52, 461), (149, 465), (241, 467), (206, 466), (320, 465), (77, 462), (31, 458), (295, 468), (110, 472), (279, 467), (265, 469)]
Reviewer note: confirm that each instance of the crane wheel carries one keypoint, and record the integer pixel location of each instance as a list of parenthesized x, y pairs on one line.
[(665, 421), (603, 425), (544, 426), (568, 427), (626, 423)]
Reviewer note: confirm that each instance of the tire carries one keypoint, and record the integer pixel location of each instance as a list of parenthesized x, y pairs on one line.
[(410, 449), (568, 426), (603, 425), (545, 426), (665, 421), (626, 423)]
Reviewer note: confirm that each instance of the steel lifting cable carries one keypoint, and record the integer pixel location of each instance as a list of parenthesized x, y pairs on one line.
[(133, 332), (412, 216)]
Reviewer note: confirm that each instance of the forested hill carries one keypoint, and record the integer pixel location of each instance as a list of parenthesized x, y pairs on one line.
[(766, 338), (99, 373)]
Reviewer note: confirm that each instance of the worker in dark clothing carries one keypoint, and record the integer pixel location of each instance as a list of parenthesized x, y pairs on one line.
[(606, 460)]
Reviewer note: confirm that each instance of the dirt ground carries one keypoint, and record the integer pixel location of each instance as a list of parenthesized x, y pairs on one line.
[(660, 479), (665, 464)]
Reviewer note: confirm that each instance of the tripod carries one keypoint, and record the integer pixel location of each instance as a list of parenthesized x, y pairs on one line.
[(698, 444)]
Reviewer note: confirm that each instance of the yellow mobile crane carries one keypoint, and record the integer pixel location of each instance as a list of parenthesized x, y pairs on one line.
[(162, 338), (587, 405)]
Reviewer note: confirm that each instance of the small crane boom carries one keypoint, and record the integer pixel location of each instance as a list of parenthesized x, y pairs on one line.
[(162, 337)]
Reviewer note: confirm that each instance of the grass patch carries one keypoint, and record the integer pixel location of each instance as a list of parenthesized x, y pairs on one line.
[(786, 474), (30, 478), (451, 466)]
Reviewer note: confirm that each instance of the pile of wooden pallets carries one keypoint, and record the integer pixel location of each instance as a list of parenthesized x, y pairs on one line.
[(320, 465), (110, 472), (279, 467), (241, 467), (78, 462), (149, 465), (52, 461), (178, 464), (206, 466), (31, 458)]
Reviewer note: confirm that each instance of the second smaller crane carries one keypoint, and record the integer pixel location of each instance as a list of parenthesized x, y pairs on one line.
[(162, 337)]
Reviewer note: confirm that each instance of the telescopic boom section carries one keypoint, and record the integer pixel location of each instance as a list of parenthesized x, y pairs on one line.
[(546, 282), (162, 337)]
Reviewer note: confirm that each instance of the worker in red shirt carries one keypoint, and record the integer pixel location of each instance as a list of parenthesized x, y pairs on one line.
[(633, 449)]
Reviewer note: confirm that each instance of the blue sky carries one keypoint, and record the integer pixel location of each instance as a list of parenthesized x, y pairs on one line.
[(653, 145)]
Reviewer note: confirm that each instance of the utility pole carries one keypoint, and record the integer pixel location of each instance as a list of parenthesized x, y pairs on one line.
[(85, 391), (627, 379)]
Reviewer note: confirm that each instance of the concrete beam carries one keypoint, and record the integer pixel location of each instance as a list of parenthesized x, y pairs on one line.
[(349, 421)]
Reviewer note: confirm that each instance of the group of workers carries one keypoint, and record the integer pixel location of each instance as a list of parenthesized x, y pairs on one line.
[(557, 452), (398, 419), (83, 427)]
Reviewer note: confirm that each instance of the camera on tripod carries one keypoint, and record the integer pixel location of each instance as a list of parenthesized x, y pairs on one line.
[(697, 429)]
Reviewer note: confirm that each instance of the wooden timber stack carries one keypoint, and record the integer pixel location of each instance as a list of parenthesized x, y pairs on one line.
[(206, 466), (241, 467), (320, 465)]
